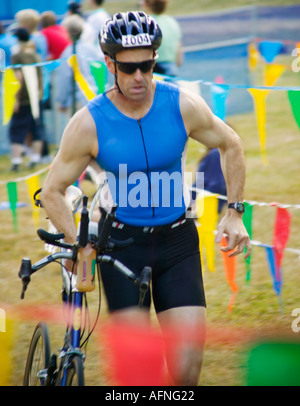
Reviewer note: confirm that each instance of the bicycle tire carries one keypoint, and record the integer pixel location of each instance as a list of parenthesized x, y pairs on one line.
[(38, 356), (75, 372)]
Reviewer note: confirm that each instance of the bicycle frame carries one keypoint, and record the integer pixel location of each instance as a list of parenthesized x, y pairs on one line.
[(74, 298)]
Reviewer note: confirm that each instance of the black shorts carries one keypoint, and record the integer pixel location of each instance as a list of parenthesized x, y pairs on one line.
[(22, 123), (174, 257)]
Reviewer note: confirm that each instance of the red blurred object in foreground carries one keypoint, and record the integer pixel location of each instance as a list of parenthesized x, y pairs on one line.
[(135, 355)]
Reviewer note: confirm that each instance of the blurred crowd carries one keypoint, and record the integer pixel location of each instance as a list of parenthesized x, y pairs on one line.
[(36, 37), (40, 37)]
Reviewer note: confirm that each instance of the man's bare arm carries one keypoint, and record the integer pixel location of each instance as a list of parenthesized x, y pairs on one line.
[(203, 126), (77, 148)]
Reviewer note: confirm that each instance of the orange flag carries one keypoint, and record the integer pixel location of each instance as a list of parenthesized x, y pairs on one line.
[(230, 271)]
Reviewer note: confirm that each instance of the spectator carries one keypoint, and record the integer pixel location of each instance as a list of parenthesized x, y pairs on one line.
[(22, 122), (56, 35), (74, 8), (96, 18), (170, 51), (88, 34), (214, 181), (29, 19), (7, 41), (85, 53)]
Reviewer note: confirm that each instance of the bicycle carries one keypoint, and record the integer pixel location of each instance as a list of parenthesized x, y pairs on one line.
[(67, 369)]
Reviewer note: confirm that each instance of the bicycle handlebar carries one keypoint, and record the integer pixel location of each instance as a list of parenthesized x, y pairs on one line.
[(103, 244)]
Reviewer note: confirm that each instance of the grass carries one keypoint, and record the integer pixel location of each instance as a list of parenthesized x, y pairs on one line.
[(256, 313)]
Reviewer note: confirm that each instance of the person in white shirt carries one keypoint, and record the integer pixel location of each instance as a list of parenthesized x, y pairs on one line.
[(85, 53), (96, 18)]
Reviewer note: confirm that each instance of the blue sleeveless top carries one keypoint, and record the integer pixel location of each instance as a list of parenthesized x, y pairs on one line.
[(144, 159)]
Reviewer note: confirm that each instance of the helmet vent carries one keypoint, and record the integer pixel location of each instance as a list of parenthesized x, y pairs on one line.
[(115, 32), (131, 17)]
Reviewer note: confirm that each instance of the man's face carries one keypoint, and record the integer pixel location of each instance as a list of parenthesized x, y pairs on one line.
[(136, 85)]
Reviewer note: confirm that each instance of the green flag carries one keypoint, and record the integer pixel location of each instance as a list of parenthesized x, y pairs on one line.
[(13, 198), (99, 72), (247, 219), (294, 98)]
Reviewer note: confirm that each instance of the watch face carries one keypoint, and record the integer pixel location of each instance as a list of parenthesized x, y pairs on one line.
[(240, 207)]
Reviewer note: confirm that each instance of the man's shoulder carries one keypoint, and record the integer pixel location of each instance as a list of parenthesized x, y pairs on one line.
[(165, 86)]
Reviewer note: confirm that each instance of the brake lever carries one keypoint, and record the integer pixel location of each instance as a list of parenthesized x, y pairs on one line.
[(24, 273), (144, 283)]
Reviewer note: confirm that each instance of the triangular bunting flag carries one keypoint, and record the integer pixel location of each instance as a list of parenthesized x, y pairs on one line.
[(99, 73), (13, 198), (275, 273), (10, 87), (230, 272), (33, 186), (281, 233), (270, 49), (207, 218), (272, 73), (259, 98), (219, 95), (30, 75), (253, 56), (247, 219), (294, 99), (80, 80)]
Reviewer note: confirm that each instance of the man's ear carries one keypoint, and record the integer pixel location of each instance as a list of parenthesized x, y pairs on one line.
[(110, 64)]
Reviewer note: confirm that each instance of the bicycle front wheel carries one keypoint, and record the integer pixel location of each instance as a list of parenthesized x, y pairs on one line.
[(75, 374), (38, 357)]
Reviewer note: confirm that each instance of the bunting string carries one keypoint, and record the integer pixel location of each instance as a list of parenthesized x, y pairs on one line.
[(25, 178), (251, 202)]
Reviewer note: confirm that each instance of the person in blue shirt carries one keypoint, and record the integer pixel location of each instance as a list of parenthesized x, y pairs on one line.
[(138, 132), (7, 41), (214, 181)]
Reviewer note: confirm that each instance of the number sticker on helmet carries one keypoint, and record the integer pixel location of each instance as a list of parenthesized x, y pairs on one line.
[(139, 40)]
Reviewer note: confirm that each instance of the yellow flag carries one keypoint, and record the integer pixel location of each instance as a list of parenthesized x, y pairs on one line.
[(259, 99), (253, 56), (33, 186), (272, 73), (82, 83), (7, 329), (10, 86), (207, 214)]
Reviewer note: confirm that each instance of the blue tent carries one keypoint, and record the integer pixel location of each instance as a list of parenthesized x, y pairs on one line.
[(8, 9)]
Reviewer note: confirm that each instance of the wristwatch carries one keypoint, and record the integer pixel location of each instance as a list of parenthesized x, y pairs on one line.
[(238, 206)]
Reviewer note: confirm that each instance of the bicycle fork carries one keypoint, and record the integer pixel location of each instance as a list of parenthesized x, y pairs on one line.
[(71, 347), (73, 335)]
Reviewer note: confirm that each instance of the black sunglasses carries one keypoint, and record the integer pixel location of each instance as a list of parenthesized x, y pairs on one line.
[(130, 67)]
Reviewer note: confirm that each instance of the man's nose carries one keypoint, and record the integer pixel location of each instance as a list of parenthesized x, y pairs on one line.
[(138, 74)]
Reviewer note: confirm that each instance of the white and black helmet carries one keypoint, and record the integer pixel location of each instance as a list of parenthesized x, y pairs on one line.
[(133, 29)]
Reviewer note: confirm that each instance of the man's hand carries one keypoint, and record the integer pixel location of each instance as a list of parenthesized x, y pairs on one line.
[(235, 234)]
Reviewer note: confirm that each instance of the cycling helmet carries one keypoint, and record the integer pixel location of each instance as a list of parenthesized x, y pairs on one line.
[(129, 30)]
